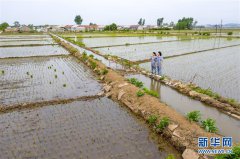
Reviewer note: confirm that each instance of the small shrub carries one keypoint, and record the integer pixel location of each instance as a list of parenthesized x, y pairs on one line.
[(151, 92), (194, 116), (152, 119), (136, 82), (92, 56), (104, 71), (230, 33), (209, 125), (140, 93), (164, 122)]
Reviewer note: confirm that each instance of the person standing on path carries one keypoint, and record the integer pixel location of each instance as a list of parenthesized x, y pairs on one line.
[(153, 62), (159, 63)]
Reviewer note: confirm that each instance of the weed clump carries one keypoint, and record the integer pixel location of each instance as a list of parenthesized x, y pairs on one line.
[(209, 125), (230, 33), (135, 82), (152, 119), (194, 116), (208, 92), (164, 122), (140, 93), (234, 155), (151, 92), (104, 71)]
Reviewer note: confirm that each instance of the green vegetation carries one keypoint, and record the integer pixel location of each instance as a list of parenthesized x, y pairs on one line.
[(2, 71), (55, 76), (111, 27), (92, 56), (63, 72), (185, 23), (55, 70), (209, 125), (84, 56), (230, 33), (231, 101), (104, 71), (64, 85), (194, 116), (93, 64), (27, 73), (164, 122), (150, 92), (208, 92), (234, 155), (79, 43), (152, 119), (141, 21), (136, 82), (3, 26), (31, 76), (140, 93), (205, 33), (78, 19), (170, 156)]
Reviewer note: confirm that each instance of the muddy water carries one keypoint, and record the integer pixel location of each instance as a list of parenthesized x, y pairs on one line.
[(31, 79), (96, 129), (32, 51), (10, 43), (227, 126)]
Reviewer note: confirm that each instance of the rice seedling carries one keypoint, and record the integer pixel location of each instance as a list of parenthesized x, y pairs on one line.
[(194, 116), (55, 70), (152, 119), (164, 122), (3, 71), (140, 93), (63, 72), (209, 125), (50, 82), (31, 76), (55, 76), (64, 85)]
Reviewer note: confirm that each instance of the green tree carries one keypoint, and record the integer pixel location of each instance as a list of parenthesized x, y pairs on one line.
[(160, 22), (16, 24), (185, 23), (140, 21), (78, 19), (111, 27), (3, 26), (30, 26)]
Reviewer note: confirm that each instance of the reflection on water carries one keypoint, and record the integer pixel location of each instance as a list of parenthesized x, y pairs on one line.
[(227, 126)]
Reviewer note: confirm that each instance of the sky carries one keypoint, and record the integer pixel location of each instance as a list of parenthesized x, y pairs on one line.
[(122, 12)]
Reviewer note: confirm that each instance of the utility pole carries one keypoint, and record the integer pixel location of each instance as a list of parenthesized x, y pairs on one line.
[(220, 34)]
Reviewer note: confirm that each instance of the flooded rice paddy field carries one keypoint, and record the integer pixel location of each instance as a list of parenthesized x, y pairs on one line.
[(144, 51), (14, 36), (27, 51), (38, 79), (227, 126), (216, 69), (109, 41), (91, 129), (34, 42)]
